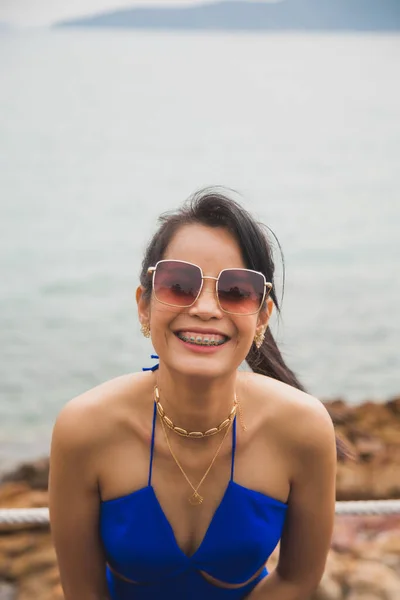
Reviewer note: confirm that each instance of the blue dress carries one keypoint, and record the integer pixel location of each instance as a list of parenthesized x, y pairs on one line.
[(144, 561)]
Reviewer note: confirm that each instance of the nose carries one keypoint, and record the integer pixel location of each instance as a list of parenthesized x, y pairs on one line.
[(206, 305)]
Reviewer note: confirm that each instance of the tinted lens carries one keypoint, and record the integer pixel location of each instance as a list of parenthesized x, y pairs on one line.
[(240, 291), (177, 283)]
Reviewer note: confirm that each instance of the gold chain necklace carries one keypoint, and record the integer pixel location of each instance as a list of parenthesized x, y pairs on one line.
[(195, 499), (197, 434)]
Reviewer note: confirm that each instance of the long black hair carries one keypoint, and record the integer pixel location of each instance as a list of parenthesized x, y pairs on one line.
[(214, 208)]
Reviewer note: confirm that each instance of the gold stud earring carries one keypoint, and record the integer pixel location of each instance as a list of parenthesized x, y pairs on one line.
[(145, 329), (259, 338)]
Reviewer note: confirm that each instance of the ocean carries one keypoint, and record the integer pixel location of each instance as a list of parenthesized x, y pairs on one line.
[(102, 130)]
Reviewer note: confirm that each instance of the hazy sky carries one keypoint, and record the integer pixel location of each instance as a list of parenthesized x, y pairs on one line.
[(42, 12)]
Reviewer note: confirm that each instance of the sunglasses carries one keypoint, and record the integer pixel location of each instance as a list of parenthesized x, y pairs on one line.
[(238, 291)]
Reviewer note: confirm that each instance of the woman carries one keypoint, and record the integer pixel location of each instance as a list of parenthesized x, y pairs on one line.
[(178, 482)]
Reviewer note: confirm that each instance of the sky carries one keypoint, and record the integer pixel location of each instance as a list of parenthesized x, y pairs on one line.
[(44, 12)]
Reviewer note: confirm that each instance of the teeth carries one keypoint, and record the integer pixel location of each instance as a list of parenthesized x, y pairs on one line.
[(199, 340)]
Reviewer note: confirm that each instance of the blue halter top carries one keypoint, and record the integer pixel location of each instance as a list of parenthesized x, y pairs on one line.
[(144, 561)]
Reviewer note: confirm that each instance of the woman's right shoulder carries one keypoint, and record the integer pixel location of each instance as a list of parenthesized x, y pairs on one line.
[(87, 420)]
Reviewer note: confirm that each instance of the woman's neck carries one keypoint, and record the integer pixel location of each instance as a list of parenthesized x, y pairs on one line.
[(195, 404)]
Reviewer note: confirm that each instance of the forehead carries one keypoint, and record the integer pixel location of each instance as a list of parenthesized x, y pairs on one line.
[(212, 248)]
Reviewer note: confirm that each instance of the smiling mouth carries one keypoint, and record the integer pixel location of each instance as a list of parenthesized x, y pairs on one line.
[(211, 339)]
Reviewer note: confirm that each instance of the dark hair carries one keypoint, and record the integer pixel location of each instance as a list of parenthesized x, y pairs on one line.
[(214, 208)]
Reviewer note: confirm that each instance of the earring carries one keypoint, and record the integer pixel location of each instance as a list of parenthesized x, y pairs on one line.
[(145, 329), (259, 338)]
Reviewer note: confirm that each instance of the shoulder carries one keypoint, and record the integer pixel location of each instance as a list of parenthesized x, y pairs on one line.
[(301, 420), (87, 420)]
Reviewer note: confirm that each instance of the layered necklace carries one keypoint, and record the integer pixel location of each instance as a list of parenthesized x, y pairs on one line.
[(195, 498)]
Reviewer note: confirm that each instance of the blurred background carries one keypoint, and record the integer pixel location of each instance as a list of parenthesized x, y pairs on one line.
[(104, 127)]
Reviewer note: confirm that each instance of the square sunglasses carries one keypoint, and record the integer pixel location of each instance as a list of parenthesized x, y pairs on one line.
[(238, 291)]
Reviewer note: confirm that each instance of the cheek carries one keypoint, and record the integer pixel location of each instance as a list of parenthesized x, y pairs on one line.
[(245, 327), (161, 317)]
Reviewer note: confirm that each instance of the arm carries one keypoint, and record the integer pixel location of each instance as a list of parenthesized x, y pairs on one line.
[(308, 528), (74, 504)]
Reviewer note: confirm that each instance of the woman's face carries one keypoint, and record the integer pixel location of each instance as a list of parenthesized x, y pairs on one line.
[(212, 249)]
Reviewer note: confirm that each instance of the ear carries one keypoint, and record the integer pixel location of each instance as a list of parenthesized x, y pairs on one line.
[(143, 306), (265, 314)]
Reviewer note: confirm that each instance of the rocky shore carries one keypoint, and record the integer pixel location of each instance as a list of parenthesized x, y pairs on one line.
[(364, 561)]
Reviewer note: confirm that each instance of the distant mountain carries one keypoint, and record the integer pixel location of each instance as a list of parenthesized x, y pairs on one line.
[(350, 15)]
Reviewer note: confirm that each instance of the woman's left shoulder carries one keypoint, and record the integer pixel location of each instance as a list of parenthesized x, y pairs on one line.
[(300, 418)]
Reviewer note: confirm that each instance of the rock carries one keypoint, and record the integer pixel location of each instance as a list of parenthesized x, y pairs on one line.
[(19, 495), (328, 589), (394, 406), (373, 481), (374, 579), (35, 561), (373, 434), (7, 591), (354, 595), (368, 448), (35, 474), (9, 492)]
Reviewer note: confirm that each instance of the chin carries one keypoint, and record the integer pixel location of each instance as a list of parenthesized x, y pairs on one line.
[(205, 367)]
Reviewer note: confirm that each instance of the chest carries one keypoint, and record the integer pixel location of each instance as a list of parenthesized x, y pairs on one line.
[(189, 508), (253, 465)]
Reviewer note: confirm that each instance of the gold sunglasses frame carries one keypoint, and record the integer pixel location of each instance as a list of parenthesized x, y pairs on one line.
[(267, 284)]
